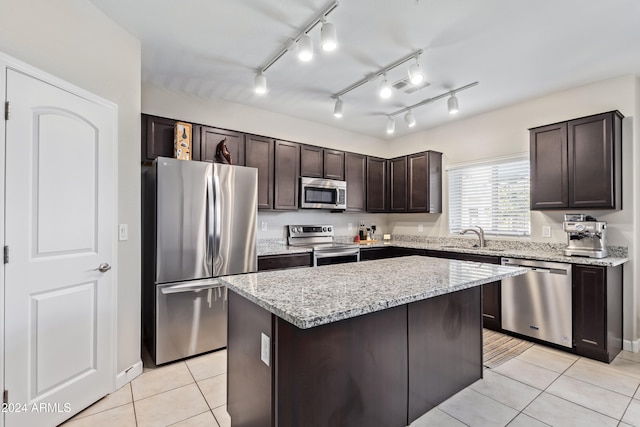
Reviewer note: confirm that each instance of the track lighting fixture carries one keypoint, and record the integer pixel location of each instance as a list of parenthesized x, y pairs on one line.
[(305, 48), (452, 103), (391, 125), (337, 109), (416, 76), (328, 39), (410, 119), (303, 43), (385, 88), (260, 84)]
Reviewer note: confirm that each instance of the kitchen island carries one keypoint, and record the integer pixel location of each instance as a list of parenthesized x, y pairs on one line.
[(375, 343)]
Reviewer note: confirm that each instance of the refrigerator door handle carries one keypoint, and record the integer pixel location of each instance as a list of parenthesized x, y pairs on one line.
[(189, 288), (218, 218), (210, 219)]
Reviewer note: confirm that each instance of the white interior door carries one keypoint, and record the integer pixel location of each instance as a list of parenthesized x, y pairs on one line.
[(60, 207)]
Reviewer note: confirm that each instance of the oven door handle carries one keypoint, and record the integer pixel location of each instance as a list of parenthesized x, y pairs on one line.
[(326, 254)]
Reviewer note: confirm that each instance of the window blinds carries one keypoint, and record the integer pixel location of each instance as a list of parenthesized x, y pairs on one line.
[(493, 195)]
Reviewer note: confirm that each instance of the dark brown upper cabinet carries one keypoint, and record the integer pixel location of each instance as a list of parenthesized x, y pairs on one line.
[(577, 164), (259, 153), (355, 173), (398, 184), (157, 137), (206, 140), (318, 162), (311, 161), (287, 173), (377, 185), (334, 164), (424, 182)]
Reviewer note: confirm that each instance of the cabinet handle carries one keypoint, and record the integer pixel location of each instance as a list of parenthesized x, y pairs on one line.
[(589, 342), (488, 315)]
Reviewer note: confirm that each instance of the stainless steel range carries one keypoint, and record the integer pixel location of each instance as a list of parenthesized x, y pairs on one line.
[(325, 250)]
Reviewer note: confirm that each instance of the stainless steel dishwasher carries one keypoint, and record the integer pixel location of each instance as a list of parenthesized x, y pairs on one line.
[(538, 304)]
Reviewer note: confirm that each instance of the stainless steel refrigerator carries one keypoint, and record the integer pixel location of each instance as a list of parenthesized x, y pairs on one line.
[(199, 222)]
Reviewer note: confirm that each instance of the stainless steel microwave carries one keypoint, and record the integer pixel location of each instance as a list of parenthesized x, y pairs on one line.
[(318, 193)]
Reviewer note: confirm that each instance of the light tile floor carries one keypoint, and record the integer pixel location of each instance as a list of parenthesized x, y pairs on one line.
[(540, 387)]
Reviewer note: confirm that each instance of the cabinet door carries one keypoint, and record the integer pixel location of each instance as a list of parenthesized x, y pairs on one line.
[(158, 137), (377, 192), (259, 154), (355, 172), (210, 137), (424, 180), (334, 164), (593, 146), (589, 309), (287, 172), (311, 161), (549, 174), (398, 184), (491, 305)]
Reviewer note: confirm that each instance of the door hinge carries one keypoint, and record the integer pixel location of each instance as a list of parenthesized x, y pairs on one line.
[(6, 254), (7, 110), (5, 396)]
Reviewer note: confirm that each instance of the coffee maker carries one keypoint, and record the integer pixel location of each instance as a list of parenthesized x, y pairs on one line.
[(586, 236)]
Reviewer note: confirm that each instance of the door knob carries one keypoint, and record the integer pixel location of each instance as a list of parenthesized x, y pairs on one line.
[(103, 268)]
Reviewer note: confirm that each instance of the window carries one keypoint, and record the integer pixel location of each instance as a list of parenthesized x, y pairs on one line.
[(493, 195)]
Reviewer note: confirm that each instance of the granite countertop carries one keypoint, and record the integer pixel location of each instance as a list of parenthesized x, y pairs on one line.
[(311, 297), (501, 248)]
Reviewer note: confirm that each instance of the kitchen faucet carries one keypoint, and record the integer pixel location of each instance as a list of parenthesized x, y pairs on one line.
[(479, 233)]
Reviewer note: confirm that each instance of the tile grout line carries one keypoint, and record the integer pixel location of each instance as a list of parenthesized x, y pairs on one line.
[(629, 404), (202, 394)]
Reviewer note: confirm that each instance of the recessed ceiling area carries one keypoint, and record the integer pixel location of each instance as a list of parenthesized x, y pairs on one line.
[(516, 50)]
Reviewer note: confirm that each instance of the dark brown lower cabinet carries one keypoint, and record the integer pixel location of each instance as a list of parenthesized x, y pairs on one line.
[(597, 311), (279, 262), (381, 369)]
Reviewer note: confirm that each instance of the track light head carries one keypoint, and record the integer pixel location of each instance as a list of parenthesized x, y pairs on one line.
[(260, 84), (337, 109), (391, 125), (385, 88), (416, 76), (328, 39), (452, 103), (305, 48), (410, 119)]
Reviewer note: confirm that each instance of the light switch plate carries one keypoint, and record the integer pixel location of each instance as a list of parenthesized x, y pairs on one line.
[(265, 349), (420, 228), (263, 225), (123, 232), (546, 231), (350, 226)]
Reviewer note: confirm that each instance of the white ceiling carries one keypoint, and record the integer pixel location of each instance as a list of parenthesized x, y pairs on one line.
[(516, 49)]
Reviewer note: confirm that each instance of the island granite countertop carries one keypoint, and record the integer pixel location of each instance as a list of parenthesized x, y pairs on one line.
[(311, 297)]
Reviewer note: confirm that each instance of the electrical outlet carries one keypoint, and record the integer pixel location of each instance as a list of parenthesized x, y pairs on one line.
[(546, 231), (123, 232), (263, 225), (350, 226), (265, 349), (420, 228)]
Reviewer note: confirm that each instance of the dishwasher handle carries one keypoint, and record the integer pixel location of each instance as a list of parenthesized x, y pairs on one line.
[(537, 269)]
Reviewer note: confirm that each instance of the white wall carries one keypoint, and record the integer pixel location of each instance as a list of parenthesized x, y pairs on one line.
[(228, 115), (73, 40)]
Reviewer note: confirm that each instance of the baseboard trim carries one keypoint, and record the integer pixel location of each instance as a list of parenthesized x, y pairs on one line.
[(128, 374), (633, 346)]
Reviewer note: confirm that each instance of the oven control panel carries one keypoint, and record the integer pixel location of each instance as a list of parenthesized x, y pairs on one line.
[(310, 230)]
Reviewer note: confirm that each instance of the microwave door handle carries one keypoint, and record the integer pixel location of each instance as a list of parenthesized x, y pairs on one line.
[(337, 196)]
